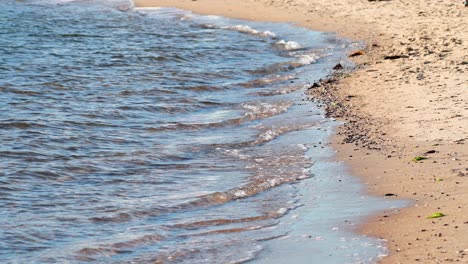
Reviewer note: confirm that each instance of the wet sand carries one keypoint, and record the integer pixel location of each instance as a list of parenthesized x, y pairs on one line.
[(407, 98)]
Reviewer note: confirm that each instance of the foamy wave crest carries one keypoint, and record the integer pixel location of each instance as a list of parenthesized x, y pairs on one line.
[(207, 26), (268, 135), (185, 17), (257, 110), (267, 81), (271, 133), (288, 45), (248, 30), (308, 59)]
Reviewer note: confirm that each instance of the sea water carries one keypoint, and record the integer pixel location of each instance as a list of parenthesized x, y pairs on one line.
[(160, 136)]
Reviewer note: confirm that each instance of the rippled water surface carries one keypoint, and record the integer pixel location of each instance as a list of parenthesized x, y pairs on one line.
[(150, 135)]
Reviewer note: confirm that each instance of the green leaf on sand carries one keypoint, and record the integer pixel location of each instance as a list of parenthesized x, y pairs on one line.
[(419, 158), (435, 215)]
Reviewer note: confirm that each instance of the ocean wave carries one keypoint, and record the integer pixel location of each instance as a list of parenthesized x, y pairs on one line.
[(287, 45), (91, 252), (196, 126), (249, 30), (241, 29), (281, 90), (129, 4), (130, 129), (261, 82), (307, 59), (277, 67), (258, 110)]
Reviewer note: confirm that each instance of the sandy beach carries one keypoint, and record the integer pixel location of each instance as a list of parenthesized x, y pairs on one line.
[(408, 97)]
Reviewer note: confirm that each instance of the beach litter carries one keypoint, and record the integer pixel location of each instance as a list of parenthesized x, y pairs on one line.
[(435, 215), (419, 158)]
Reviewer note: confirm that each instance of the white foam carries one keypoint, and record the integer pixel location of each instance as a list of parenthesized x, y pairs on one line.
[(288, 45), (307, 59), (282, 211), (185, 17), (263, 109), (240, 193), (269, 34), (302, 147), (267, 136), (248, 30)]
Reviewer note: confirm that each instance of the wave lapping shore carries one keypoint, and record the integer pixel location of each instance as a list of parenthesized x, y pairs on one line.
[(161, 136), (406, 109)]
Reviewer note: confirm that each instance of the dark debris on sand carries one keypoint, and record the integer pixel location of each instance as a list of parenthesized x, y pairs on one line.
[(358, 129)]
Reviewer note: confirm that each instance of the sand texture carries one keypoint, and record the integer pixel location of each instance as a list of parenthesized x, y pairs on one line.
[(407, 98)]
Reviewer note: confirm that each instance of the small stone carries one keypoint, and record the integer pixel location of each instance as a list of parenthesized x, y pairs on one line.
[(316, 85), (431, 151), (356, 53), (395, 57), (338, 67)]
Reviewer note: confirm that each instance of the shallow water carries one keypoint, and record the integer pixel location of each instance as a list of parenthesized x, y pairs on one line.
[(146, 135)]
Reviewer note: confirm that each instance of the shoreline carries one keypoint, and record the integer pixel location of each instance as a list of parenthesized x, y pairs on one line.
[(408, 97)]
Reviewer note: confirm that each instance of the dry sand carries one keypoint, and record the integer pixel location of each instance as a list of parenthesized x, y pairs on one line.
[(408, 96)]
